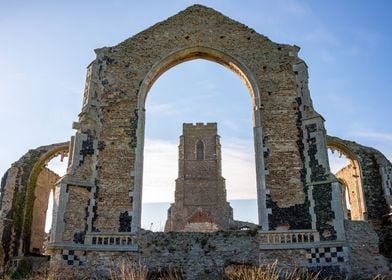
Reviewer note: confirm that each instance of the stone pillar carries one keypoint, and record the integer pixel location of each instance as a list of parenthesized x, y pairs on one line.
[(260, 151), (137, 174)]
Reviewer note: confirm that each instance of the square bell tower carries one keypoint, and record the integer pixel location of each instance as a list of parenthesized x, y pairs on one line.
[(200, 195)]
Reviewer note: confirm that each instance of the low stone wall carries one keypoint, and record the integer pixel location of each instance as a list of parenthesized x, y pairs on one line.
[(201, 255), (365, 258)]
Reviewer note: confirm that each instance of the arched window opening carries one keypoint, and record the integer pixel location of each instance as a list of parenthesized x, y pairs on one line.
[(200, 150), (346, 168), (346, 201), (48, 220), (212, 94), (43, 203)]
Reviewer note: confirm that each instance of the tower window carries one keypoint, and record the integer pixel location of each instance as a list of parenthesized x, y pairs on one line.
[(199, 150)]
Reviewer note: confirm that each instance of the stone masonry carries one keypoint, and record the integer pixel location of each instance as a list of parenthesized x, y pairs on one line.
[(97, 204), (200, 194), (46, 181), (107, 154), (368, 177), (25, 189), (349, 179)]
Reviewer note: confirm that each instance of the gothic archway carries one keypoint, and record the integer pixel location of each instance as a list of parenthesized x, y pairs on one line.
[(351, 175), (41, 185), (245, 75), (23, 201), (107, 165)]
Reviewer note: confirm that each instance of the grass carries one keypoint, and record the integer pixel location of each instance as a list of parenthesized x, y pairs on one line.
[(269, 272), (128, 270)]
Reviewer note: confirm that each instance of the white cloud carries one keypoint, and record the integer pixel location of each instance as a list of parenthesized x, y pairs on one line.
[(332, 94), (322, 36), (294, 8), (375, 135), (353, 51), (238, 167), (161, 169), (232, 125), (327, 56), (58, 166), (337, 161), (364, 41), (207, 85), (379, 140), (168, 109), (367, 38)]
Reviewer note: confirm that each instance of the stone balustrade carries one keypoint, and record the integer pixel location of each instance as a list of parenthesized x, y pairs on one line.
[(123, 240), (289, 237)]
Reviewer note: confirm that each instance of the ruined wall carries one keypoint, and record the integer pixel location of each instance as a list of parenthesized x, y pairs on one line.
[(17, 200), (45, 183), (292, 170), (365, 259), (321, 208), (349, 175), (205, 255), (375, 179), (76, 207), (98, 202)]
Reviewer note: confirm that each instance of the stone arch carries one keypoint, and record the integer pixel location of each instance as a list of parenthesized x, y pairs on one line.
[(371, 171), (199, 52), (351, 175), (37, 199), (374, 171), (293, 187), (171, 60), (19, 204)]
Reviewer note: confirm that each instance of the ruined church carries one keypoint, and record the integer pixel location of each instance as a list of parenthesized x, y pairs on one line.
[(302, 221)]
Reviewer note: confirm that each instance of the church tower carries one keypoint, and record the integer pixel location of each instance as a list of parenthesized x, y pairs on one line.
[(200, 194)]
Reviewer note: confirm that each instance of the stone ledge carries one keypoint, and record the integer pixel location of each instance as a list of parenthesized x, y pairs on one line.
[(288, 246), (73, 181), (85, 247), (330, 181)]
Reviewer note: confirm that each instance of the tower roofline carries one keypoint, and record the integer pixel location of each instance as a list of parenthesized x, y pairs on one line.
[(192, 125)]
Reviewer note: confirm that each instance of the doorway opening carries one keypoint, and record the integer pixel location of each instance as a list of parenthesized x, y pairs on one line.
[(198, 91)]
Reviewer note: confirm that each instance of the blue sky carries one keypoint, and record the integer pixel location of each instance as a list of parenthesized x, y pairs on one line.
[(46, 46)]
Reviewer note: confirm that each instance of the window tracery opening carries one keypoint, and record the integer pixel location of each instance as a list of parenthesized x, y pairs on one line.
[(200, 150)]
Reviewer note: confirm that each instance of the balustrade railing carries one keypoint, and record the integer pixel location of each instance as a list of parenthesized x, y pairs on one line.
[(289, 237), (110, 239)]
